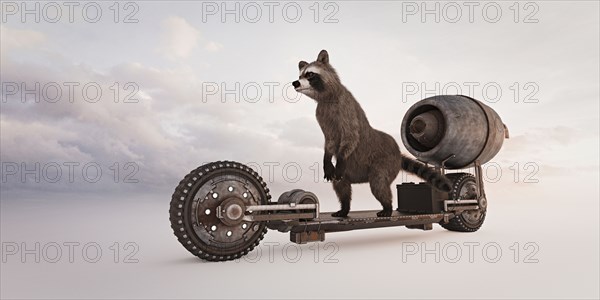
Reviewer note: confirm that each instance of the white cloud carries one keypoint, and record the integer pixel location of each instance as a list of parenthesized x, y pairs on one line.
[(213, 46), (303, 132), (167, 133), (20, 38), (179, 38)]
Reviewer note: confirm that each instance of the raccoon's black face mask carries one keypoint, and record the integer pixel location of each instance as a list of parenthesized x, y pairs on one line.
[(309, 79), (318, 79)]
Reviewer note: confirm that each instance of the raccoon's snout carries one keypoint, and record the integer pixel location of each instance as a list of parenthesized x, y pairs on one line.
[(296, 84)]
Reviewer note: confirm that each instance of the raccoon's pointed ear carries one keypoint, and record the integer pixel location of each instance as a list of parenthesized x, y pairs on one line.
[(302, 64), (323, 57)]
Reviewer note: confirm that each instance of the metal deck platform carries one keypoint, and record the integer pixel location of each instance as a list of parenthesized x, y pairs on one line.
[(303, 231)]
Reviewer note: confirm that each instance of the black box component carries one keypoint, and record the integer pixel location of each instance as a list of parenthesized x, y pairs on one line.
[(420, 198)]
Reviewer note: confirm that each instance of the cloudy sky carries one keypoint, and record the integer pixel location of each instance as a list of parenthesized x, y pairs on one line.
[(147, 91), (539, 74)]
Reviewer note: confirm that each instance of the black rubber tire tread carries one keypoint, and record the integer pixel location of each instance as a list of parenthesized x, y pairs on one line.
[(181, 202), (458, 223)]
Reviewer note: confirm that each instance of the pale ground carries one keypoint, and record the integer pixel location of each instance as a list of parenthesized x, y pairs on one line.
[(561, 260)]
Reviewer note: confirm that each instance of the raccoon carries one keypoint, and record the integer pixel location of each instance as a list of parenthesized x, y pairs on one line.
[(362, 154)]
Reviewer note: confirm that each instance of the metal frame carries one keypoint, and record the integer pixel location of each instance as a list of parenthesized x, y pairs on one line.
[(460, 205), (286, 215), (306, 224)]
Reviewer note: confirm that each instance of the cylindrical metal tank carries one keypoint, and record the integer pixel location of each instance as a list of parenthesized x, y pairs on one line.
[(452, 130)]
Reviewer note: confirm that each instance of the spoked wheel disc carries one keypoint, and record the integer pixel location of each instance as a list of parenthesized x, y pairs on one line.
[(465, 188), (208, 207)]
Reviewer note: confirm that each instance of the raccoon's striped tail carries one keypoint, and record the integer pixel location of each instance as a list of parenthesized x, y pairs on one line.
[(437, 180)]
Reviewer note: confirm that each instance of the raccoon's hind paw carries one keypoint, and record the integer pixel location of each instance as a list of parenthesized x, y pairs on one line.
[(385, 213), (340, 214)]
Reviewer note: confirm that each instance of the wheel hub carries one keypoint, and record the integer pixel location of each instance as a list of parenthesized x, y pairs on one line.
[(220, 206), (231, 211), (469, 191)]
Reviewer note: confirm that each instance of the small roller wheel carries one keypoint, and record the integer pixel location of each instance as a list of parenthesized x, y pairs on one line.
[(208, 207), (464, 187)]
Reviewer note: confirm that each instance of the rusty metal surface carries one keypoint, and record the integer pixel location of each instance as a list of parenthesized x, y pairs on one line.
[(307, 236), (279, 216), (361, 220), (469, 130), (428, 226), (209, 220)]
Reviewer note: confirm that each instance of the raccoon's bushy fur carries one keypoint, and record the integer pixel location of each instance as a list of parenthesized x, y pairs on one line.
[(363, 154)]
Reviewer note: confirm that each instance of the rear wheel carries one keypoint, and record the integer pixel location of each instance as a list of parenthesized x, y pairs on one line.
[(208, 207), (464, 187)]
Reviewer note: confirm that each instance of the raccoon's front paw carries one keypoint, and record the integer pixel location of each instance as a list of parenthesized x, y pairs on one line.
[(329, 170), (385, 213), (342, 213), (340, 169)]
